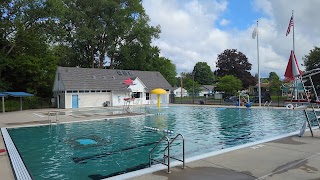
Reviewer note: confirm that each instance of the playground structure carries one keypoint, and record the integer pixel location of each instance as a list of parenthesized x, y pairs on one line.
[(158, 91), (244, 100)]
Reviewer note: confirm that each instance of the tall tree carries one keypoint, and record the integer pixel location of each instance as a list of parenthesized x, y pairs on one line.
[(27, 63), (101, 28), (229, 84), (312, 61), (275, 83), (192, 86), (232, 62), (203, 74)]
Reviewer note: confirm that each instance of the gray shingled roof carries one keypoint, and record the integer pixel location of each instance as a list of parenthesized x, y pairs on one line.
[(207, 87), (75, 78)]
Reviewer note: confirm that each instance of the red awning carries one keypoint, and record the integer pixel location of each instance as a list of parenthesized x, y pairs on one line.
[(128, 81)]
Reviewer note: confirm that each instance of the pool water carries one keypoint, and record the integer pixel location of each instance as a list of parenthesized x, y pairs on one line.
[(100, 149)]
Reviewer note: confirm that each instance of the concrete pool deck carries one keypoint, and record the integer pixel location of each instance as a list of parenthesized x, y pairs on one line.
[(289, 158)]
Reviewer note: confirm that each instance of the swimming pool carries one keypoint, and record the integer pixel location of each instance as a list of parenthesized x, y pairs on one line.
[(100, 149)]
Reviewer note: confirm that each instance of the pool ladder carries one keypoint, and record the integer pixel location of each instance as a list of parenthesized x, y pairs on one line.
[(167, 157), (53, 113), (267, 103)]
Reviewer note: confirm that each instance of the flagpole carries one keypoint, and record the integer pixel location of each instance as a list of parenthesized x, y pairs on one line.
[(293, 34), (259, 83), (293, 49)]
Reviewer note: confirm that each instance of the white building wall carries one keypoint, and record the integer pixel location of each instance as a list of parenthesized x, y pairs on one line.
[(138, 87), (177, 92), (94, 99), (118, 97), (68, 100)]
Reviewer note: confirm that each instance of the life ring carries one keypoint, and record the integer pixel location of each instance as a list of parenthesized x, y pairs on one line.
[(289, 106)]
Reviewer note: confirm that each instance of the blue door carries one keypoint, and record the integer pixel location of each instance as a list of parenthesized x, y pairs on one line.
[(75, 101)]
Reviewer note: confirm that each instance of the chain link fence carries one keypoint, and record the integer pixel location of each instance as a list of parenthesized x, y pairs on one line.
[(13, 103)]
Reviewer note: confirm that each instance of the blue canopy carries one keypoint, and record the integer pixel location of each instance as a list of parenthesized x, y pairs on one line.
[(18, 94), (14, 94)]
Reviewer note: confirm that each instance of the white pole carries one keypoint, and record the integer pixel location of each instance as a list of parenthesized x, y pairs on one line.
[(293, 49), (20, 103), (259, 83)]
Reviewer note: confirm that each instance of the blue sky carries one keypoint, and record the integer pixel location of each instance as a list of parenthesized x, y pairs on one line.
[(199, 30), (241, 15)]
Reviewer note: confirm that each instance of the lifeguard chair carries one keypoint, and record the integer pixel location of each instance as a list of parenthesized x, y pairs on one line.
[(128, 100)]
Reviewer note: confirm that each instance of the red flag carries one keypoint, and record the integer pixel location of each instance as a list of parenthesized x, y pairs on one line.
[(289, 26), (292, 70)]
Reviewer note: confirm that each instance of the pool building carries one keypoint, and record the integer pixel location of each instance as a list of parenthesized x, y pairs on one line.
[(76, 87)]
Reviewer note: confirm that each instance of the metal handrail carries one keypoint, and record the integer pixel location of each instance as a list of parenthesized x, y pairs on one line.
[(167, 148), (269, 103), (56, 114), (150, 154), (265, 103), (183, 149)]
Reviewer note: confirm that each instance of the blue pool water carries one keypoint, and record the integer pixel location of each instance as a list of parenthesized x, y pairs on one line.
[(99, 149)]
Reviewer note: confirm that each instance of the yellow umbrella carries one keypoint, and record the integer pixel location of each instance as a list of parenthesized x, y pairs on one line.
[(158, 91)]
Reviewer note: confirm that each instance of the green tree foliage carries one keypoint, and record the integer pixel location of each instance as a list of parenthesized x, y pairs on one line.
[(26, 61), (36, 36), (232, 62), (188, 82), (167, 69), (115, 29), (229, 84), (275, 83), (203, 74), (312, 61)]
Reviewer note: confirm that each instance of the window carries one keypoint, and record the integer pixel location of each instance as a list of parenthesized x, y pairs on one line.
[(69, 91), (136, 94), (147, 96), (119, 72), (104, 91), (81, 91), (124, 73)]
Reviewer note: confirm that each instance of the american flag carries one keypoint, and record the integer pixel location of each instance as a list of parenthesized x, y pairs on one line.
[(289, 27)]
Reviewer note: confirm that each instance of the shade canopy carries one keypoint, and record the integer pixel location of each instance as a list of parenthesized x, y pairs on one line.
[(18, 94), (292, 70), (14, 94), (158, 91)]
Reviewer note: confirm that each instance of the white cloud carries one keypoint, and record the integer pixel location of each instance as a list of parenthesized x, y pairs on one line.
[(188, 32), (224, 22)]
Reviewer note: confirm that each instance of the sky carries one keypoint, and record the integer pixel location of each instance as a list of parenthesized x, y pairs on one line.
[(199, 30)]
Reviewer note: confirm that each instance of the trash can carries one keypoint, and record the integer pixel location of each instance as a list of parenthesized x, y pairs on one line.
[(106, 104)]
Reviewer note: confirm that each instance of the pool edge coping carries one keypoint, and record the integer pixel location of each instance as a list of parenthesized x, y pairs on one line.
[(159, 167)]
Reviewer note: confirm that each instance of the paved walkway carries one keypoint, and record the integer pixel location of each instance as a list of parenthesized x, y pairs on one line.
[(287, 158)]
